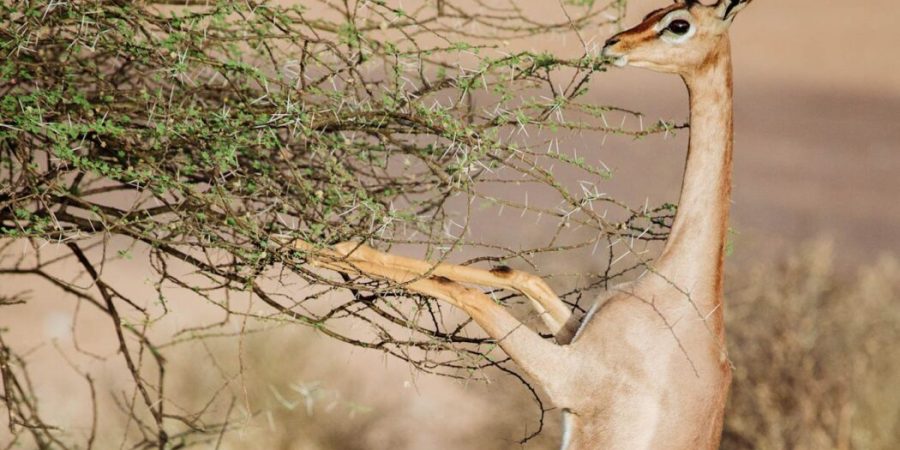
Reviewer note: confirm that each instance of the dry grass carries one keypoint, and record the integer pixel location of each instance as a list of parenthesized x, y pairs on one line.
[(817, 365), (815, 355), (357, 402)]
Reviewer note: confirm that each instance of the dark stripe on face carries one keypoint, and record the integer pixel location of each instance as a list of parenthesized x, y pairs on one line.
[(650, 14), (731, 6), (658, 14)]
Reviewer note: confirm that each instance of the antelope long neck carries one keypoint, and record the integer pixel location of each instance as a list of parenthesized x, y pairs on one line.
[(694, 254)]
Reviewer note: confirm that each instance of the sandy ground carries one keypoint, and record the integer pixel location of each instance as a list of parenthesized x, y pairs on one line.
[(818, 152)]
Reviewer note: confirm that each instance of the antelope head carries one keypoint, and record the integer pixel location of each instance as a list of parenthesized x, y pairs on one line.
[(676, 39)]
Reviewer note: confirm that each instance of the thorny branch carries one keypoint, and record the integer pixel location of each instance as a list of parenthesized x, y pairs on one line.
[(206, 133)]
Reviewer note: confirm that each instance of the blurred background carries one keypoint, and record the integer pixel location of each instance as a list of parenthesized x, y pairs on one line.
[(817, 87), (813, 285)]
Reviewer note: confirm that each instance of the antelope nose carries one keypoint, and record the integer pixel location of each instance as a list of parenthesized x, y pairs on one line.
[(612, 41)]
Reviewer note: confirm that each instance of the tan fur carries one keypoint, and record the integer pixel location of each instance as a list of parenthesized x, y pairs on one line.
[(647, 369)]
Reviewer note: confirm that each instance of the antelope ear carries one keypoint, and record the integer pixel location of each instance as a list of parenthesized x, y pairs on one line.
[(728, 9)]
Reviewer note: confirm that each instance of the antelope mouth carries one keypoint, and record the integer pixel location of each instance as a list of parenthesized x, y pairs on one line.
[(620, 61), (617, 60)]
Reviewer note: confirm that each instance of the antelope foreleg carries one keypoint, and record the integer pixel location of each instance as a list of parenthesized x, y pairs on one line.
[(552, 311), (537, 357)]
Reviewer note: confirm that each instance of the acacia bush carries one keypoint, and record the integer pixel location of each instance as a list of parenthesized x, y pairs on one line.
[(201, 137)]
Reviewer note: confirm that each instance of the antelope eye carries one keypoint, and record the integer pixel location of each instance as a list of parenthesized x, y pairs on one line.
[(679, 26)]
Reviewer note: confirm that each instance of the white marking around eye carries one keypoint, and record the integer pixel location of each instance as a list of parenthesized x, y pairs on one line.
[(671, 37)]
